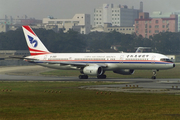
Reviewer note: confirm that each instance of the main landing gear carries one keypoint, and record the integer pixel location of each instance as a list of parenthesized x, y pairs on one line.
[(83, 76), (154, 74), (101, 76), (86, 76)]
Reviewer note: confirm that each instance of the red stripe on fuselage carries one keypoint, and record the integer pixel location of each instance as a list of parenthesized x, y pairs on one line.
[(29, 29)]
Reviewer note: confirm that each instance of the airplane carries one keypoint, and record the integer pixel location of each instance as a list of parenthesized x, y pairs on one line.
[(94, 64)]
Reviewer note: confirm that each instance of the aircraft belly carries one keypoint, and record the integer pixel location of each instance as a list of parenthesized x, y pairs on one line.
[(112, 66), (139, 66)]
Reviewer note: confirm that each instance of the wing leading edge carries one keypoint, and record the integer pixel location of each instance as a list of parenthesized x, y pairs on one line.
[(68, 63)]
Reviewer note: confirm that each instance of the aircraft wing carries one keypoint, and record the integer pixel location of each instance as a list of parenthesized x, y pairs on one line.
[(77, 64)]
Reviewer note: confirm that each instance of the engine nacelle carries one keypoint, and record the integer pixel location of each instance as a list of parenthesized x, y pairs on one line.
[(92, 70), (124, 71)]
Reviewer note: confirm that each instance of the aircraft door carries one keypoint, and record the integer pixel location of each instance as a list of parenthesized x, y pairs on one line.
[(153, 59), (121, 58), (45, 57)]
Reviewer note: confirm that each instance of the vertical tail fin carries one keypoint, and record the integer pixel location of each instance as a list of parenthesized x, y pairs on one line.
[(36, 47)]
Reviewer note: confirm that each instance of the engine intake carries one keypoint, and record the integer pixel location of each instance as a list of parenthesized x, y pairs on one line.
[(92, 70), (124, 71)]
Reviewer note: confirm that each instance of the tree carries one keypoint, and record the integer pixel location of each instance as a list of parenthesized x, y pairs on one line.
[(72, 41)]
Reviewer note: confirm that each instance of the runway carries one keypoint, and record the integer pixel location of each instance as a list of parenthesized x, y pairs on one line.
[(31, 73)]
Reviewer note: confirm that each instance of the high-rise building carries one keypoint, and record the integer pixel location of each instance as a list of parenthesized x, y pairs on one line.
[(119, 15), (147, 26)]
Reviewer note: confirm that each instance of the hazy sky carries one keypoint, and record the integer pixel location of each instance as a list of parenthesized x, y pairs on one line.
[(67, 8)]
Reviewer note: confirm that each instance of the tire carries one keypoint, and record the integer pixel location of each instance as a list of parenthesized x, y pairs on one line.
[(101, 76)]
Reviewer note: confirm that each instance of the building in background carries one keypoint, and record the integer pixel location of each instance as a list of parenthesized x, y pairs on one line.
[(109, 28), (80, 23), (148, 26), (9, 23), (119, 15), (24, 20), (159, 14), (178, 15), (4, 28), (107, 18)]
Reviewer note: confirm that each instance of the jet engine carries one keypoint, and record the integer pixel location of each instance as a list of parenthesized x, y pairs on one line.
[(92, 70), (124, 71)]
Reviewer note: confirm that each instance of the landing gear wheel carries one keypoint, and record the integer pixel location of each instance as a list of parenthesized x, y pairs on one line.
[(101, 76), (153, 77), (83, 77)]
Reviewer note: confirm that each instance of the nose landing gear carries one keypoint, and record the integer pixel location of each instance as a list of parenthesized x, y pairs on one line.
[(154, 74)]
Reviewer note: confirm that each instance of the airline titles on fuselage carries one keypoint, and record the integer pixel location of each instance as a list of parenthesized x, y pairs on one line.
[(127, 57)]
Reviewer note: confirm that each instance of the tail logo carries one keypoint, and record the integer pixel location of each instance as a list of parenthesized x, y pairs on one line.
[(33, 42)]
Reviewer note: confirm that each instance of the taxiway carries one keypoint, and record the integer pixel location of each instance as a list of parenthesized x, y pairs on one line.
[(31, 73)]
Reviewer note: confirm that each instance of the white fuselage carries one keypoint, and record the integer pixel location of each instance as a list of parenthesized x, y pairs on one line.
[(112, 61)]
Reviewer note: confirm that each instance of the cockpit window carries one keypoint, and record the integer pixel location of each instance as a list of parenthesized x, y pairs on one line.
[(165, 60)]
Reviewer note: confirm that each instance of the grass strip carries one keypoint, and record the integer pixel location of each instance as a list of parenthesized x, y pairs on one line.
[(39, 100)]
